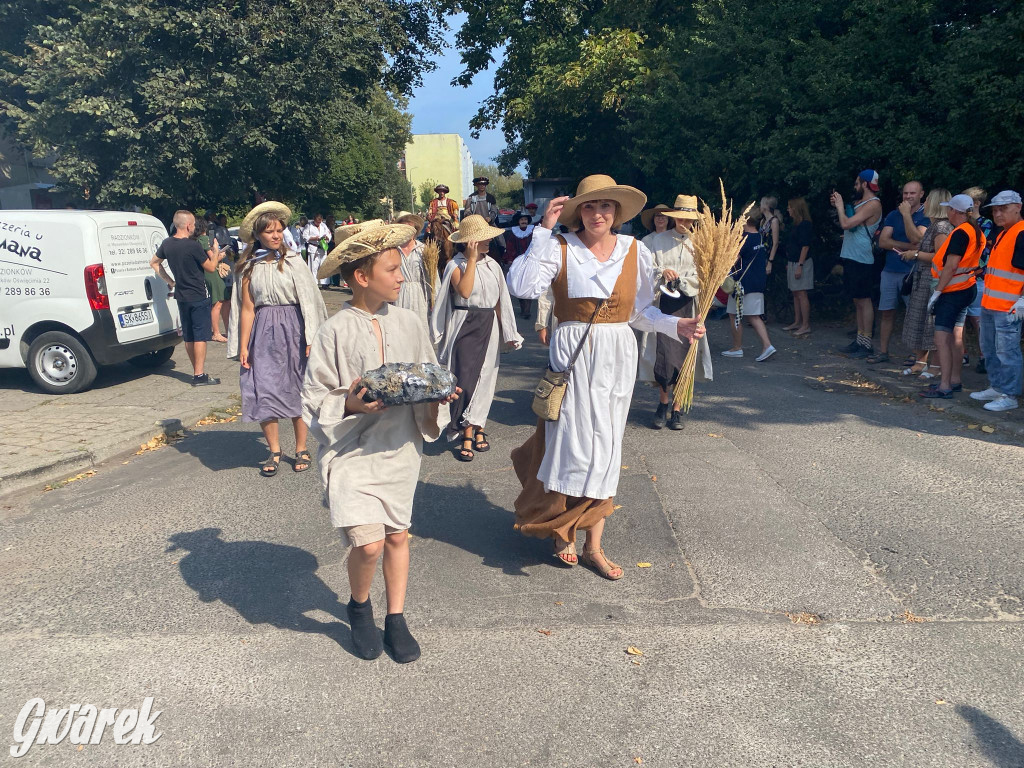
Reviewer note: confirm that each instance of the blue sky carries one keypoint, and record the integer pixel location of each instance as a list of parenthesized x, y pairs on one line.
[(438, 107)]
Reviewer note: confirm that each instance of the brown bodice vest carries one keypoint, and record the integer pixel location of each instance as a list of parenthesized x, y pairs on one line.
[(617, 309)]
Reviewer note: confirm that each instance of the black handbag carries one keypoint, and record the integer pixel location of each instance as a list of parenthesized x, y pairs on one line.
[(908, 283)]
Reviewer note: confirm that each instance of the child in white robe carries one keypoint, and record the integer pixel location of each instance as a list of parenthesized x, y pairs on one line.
[(370, 455)]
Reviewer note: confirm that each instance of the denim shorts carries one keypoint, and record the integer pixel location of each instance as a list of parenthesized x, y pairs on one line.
[(951, 309), (196, 323), (889, 290)]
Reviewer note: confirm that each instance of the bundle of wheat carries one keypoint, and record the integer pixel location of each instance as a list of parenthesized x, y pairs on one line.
[(431, 253), (716, 246)]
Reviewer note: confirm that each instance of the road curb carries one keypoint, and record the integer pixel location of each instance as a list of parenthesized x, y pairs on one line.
[(961, 407), (126, 445)]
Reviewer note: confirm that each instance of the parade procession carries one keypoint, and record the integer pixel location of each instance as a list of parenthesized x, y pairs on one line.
[(418, 384)]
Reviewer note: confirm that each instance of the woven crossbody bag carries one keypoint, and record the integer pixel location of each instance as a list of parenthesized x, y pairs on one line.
[(550, 391)]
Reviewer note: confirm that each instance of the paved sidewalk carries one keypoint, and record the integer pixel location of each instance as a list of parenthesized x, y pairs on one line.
[(46, 438)]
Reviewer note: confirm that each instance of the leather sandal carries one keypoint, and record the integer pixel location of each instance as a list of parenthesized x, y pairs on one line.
[(302, 457), (480, 444), (466, 452), (269, 467), (589, 558), (567, 554)]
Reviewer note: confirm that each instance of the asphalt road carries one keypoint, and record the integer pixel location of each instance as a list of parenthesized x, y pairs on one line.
[(896, 532)]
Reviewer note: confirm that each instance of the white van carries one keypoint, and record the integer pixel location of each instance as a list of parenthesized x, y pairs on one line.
[(77, 291)]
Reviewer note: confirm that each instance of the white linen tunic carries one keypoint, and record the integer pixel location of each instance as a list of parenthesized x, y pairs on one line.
[(369, 463), (416, 293), (673, 250), (583, 449), (490, 291)]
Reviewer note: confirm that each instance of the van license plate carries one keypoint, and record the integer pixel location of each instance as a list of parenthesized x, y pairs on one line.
[(131, 319)]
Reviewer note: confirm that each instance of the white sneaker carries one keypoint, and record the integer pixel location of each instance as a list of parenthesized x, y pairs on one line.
[(766, 354), (987, 394), (733, 353), (1004, 403)]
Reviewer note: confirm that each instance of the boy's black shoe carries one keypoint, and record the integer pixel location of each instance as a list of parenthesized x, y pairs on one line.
[(204, 380), (676, 422), (659, 416), (365, 635), (397, 637)]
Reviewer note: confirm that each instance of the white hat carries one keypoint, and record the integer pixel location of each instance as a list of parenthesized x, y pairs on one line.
[(962, 203), (1006, 197)]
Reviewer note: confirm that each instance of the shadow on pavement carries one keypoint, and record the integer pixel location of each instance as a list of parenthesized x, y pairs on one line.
[(995, 740), (220, 450), (266, 583), (462, 516)]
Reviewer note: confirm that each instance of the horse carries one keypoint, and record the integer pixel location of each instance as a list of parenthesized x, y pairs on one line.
[(440, 231)]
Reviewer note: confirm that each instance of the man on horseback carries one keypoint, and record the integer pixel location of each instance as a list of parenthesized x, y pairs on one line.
[(443, 205)]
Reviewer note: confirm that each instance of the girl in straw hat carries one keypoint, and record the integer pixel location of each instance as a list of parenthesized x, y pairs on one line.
[(654, 221), (275, 312), (569, 469), (661, 357), (472, 317)]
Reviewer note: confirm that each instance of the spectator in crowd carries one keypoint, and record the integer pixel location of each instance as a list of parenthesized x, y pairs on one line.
[(954, 268), (980, 197), (902, 230), (747, 301), (226, 268), (919, 324), (1002, 307), (531, 209), (316, 236), (770, 229), (189, 263), (293, 238), (481, 202), (517, 242), (275, 316), (297, 235), (800, 265), (859, 224)]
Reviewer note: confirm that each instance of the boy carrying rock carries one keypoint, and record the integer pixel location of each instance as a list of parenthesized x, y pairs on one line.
[(370, 455)]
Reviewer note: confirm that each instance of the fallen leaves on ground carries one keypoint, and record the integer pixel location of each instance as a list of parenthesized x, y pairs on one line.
[(634, 651), (803, 617), (910, 618), (643, 565), (156, 443), (940, 701), (638, 760), (988, 430), (617, 506), (972, 426), (546, 632), (712, 434), (559, 603), (62, 483), (625, 467)]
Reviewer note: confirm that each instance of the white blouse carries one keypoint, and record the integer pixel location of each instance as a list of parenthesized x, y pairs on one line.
[(532, 273)]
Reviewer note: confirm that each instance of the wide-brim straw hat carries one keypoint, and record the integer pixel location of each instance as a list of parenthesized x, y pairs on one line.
[(685, 208), (282, 211), (647, 217), (359, 245), (475, 229), (600, 187), (346, 231)]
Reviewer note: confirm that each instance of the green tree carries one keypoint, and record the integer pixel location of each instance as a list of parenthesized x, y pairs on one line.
[(160, 103), (426, 192)]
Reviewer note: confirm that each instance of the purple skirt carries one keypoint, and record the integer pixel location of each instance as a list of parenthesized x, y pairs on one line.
[(272, 384)]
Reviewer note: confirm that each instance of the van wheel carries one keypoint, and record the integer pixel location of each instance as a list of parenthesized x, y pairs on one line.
[(152, 359), (60, 364)]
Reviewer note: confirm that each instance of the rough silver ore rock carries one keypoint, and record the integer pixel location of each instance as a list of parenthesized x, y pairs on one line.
[(408, 383)]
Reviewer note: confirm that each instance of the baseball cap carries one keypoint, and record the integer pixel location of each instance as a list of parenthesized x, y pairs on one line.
[(869, 177), (962, 203), (1006, 197)]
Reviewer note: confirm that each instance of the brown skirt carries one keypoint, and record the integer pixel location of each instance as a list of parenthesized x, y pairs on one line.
[(549, 514)]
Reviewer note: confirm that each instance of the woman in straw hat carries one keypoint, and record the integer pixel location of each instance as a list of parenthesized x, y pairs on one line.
[(275, 312), (570, 468), (472, 318), (661, 357), (654, 221)]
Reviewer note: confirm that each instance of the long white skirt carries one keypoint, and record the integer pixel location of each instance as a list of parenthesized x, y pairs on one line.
[(583, 449)]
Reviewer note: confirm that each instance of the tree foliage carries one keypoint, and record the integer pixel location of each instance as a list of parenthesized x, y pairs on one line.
[(160, 103), (791, 97)]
